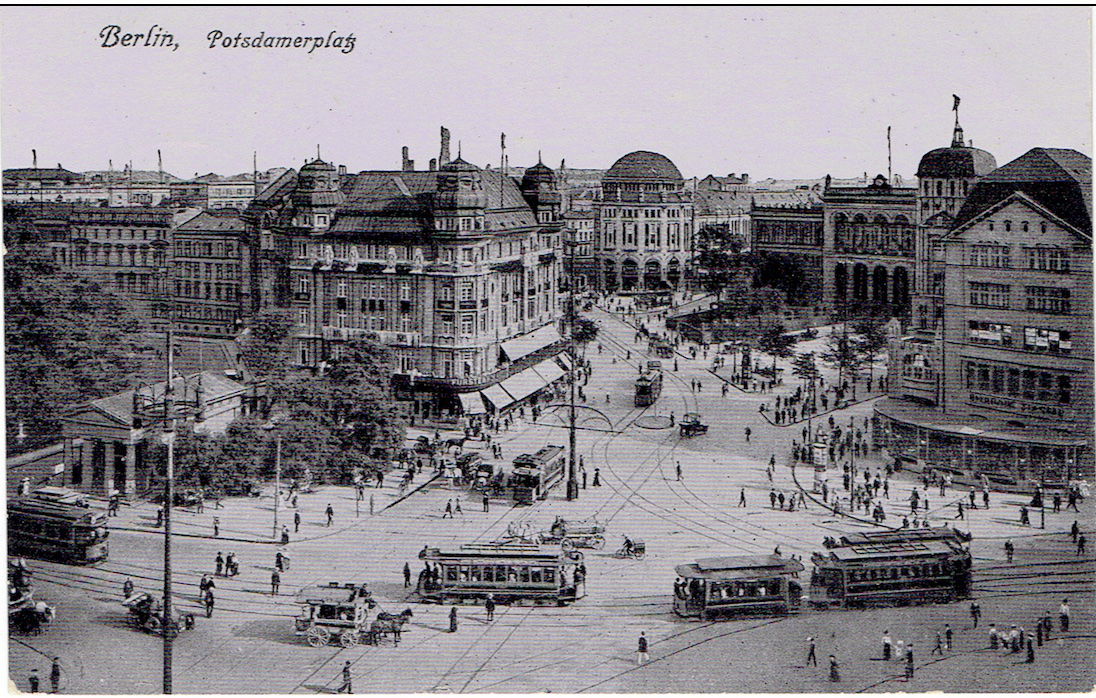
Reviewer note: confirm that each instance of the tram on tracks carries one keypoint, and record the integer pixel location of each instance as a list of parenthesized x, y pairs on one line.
[(891, 568), (54, 530), (647, 388), (512, 573), (534, 475), (738, 585)]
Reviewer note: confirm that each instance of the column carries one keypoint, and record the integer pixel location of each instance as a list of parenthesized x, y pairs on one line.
[(108, 467), (130, 485)]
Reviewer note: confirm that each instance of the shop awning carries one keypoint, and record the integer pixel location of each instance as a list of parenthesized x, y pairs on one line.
[(498, 397), (549, 370), (526, 344), (471, 403), (523, 384)]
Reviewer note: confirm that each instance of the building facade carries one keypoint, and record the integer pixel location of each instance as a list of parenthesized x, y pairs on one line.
[(456, 270), (868, 247), (210, 272), (644, 223), (1007, 391), (787, 235)]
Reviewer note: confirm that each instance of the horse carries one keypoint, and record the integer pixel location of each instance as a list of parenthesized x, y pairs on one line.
[(31, 620), (388, 623), (458, 443)]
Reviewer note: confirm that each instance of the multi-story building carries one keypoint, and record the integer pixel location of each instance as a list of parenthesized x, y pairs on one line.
[(724, 215), (580, 227), (234, 192), (868, 247), (1007, 393), (211, 273), (644, 223), (786, 233), (456, 270)]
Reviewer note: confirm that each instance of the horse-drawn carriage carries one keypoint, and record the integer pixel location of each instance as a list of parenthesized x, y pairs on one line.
[(341, 613), (148, 612), (25, 615), (574, 534), (691, 425)]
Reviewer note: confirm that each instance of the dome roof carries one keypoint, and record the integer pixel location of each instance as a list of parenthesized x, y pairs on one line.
[(459, 165), (644, 165), (956, 162), (316, 166), (536, 175)]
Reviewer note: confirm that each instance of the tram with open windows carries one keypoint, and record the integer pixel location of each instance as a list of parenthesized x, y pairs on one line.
[(647, 388), (54, 530), (738, 585), (534, 475), (512, 573), (892, 567)]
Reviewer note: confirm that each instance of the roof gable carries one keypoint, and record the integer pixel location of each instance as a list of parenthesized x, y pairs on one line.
[(1021, 198)]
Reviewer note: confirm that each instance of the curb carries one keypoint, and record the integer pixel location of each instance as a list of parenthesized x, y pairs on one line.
[(810, 495)]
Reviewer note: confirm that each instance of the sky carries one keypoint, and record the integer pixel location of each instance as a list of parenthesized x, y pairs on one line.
[(774, 92)]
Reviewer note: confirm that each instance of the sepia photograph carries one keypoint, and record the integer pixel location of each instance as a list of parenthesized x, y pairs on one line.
[(548, 349)]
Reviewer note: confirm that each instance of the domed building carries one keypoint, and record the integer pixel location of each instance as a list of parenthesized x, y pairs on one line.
[(539, 189), (644, 224), (946, 175)]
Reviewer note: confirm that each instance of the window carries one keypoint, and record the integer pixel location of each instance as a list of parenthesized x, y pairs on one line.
[(467, 323), (988, 295), (1029, 384), (1048, 341), (1048, 299), (989, 333), (990, 256), (1047, 259)]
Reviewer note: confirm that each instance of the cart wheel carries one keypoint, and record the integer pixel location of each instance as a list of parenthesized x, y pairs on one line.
[(348, 639), (640, 556), (597, 542), (318, 637)]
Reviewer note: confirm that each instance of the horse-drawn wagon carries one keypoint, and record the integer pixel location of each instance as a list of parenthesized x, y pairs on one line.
[(691, 425), (574, 534), (147, 611), (342, 614)]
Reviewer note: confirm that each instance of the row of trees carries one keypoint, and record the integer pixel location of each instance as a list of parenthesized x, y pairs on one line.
[(847, 351)]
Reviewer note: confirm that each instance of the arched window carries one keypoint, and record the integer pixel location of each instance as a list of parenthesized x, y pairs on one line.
[(879, 285), (1008, 226), (1043, 227), (840, 281), (1024, 226), (860, 282), (901, 287), (939, 188)]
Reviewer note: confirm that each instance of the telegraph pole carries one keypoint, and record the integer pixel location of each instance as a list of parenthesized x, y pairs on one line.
[(572, 481), (167, 626)]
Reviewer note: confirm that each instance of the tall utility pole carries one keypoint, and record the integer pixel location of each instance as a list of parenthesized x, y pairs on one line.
[(167, 625), (572, 464), (277, 476)]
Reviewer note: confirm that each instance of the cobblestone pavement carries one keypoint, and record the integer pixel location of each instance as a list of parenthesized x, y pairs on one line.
[(249, 644)]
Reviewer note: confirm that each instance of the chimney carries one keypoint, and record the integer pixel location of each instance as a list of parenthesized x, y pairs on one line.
[(443, 156), (745, 178), (342, 170), (408, 164), (433, 164)]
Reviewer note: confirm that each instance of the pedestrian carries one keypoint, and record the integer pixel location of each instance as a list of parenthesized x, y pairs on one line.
[(1010, 549), (285, 535), (296, 521), (275, 582), (220, 564), (886, 646), (370, 503), (748, 435), (835, 675), (959, 507), (159, 516), (1030, 653), (1074, 531), (993, 638), (939, 648), (347, 685), (1063, 615), (583, 469), (448, 509), (127, 588), (230, 565), (453, 619), (597, 477), (985, 498), (909, 661), (975, 612), (457, 508), (1039, 632), (642, 657), (947, 636), (330, 515), (742, 497), (489, 606), (900, 654), (679, 471), (406, 575), (279, 561), (33, 680), (55, 675), (811, 658), (1081, 541), (1024, 519), (208, 603), (486, 502), (216, 526)]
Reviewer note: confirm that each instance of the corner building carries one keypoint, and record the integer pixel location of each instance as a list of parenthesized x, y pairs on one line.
[(1015, 364), (455, 270), (644, 223)]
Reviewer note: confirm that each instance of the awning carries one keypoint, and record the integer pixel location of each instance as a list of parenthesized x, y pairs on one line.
[(498, 397), (471, 403), (549, 370), (523, 384), (526, 344)]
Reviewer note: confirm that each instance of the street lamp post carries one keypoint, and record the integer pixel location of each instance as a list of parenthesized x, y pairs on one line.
[(572, 480), (167, 622), (271, 426)]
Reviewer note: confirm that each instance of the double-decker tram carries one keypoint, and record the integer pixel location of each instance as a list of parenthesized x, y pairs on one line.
[(45, 529), (892, 567), (533, 475), (648, 388), (738, 585), (513, 573)]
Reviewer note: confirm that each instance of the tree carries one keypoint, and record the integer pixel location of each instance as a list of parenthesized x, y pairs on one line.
[(843, 353), (585, 330), (871, 339), (67, 339), (805, 367), (265, 347), (776, 342)]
